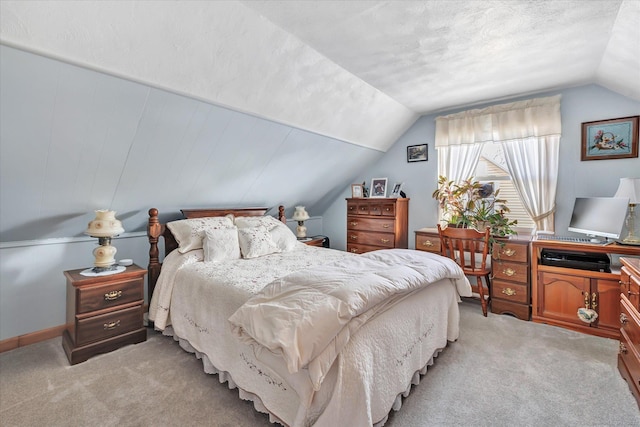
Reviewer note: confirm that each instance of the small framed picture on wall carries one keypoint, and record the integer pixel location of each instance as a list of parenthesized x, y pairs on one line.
[(417, 153)]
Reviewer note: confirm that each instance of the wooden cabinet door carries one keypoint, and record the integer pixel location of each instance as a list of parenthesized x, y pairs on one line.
[(561, 295), (608, 303)]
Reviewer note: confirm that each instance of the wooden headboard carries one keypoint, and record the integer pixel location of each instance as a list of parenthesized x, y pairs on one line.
[(156, 230)]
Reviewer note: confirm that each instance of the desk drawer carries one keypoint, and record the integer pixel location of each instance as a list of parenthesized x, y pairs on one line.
[(94, 297), (509, 291), (382, 240), (510, 271), (510, 252), (108, 325)]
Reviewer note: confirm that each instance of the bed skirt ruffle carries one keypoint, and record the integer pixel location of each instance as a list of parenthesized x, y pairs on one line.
[(225, 377)]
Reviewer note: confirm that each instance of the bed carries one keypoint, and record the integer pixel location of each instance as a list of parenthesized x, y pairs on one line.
[(261, 318)]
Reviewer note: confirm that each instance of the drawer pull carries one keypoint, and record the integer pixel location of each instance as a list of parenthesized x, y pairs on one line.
[(385, 240), (354, 223), (112, 296), (509, 272), (427, 243), (509, 292), (385, 226), (355, 251), (111, 325), (623, 348), (623, 319), (594, 302), (353, 237), (509, 252), (387, 209)]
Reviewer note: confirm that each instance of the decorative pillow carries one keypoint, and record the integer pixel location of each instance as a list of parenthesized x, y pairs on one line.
[(221, 244), (190, 232), (256, 242), (280, 233)]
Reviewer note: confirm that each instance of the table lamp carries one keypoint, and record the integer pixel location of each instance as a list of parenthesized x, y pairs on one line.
[(104, 226), (301, 216), (630, 188)]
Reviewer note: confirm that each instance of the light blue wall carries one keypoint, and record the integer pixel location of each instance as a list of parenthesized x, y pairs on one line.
[(576, 178)]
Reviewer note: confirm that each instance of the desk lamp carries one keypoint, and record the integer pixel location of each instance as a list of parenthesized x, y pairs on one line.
[(104, 227), (630, 188)]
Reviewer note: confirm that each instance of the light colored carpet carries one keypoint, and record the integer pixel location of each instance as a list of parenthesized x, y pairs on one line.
[(501, 372)]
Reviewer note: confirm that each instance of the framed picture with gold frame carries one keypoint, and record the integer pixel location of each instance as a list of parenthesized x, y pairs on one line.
[(610, 139)]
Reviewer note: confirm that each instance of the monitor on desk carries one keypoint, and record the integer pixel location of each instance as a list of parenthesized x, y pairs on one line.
[(599, 216)]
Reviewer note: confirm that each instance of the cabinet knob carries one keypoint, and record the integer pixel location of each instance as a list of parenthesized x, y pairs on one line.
[(623, 319), (112, 296), (509, 272), (509, 292), (623, 348)]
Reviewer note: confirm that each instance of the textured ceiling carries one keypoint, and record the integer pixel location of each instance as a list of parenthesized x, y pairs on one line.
[(359, 71)]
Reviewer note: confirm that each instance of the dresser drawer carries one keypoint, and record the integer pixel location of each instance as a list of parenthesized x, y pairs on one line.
[(97, 297), (521, 311), (631, 357), (355, 248), (382, 240), (108, 325), (370, 224), (510, 271), (428, 243), (630, 323), (509, 291), (510, 252)]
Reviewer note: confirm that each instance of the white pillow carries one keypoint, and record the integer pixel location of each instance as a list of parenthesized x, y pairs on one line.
[(256, 242), (280, 233), (190, 232), (221, 244)]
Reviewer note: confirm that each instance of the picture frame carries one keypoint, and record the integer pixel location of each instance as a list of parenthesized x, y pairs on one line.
[(378, 188), (610, 139), (417, 153), (357, 191), (397, 189)]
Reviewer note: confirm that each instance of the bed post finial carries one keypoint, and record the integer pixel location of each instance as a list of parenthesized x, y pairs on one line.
[(154, 230), (281, 215)]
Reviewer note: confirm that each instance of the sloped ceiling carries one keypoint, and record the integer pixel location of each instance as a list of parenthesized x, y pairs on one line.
[(328, 87), (333, 66)]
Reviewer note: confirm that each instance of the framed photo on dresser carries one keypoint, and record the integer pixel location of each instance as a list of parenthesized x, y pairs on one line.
[(379, 187), (357, 191)]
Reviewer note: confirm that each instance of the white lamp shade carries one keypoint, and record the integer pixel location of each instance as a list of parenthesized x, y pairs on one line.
[(629, 188), (105, 224), (300, 214)]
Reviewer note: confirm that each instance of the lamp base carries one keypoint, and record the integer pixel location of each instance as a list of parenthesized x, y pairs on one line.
[(103, 271), (629, 242)]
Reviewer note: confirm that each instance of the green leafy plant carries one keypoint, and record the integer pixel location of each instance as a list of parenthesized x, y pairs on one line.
[(463, 205)]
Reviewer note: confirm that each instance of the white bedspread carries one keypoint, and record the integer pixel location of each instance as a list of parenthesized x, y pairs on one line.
[(308, 316), (375, 366)]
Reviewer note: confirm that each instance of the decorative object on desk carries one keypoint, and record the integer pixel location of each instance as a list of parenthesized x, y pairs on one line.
[(587, 315), (301, 216), (630, 188), (464, 206), (365, 190), (417, 153), (104, 226), (357, 191), (610, 139), (379, 187)]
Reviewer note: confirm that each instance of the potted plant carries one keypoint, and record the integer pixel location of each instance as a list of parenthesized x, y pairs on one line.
[(464, 205)]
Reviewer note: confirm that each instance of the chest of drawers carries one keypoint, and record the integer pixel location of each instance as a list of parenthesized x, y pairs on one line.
[(510, 284), (103, 312), (377, 223)]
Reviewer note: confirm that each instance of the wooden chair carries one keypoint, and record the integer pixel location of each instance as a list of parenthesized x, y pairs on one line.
[(469, 248)]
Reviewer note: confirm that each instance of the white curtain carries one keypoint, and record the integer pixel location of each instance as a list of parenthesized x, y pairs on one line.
[(529, 132)]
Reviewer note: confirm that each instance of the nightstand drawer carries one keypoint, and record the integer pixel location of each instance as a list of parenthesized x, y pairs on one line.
[(510, 291), (428, 243), (108, 325), (370, 224), (510, 252), (510, 271), (97, 297)]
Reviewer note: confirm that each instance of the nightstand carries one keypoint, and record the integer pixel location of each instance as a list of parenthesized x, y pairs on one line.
[(103, 312), (315, 241)]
